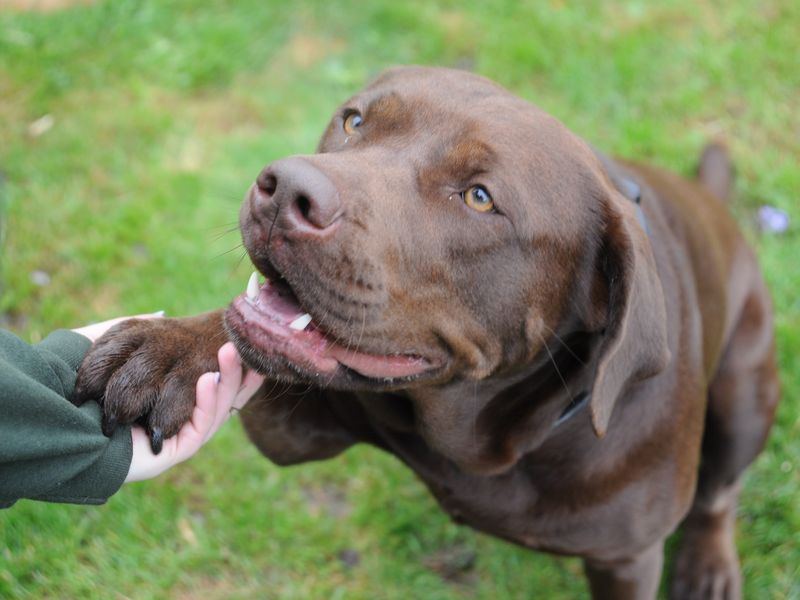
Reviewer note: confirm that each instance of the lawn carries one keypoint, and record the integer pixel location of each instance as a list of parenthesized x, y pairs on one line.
[(129, 131)]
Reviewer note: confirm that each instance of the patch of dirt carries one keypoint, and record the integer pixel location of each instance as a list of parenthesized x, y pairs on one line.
[(223, 112), (42, 6), (306, 51), (349, 558), (455, 564), (210, 588), (13, 320), (208, 116), (457, 27), (327, 499)]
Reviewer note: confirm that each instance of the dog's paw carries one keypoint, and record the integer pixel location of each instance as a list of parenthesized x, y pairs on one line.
[(706, 566), (145, 371)]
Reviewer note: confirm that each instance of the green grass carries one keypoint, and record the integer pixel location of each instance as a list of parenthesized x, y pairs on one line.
[(165, 111)]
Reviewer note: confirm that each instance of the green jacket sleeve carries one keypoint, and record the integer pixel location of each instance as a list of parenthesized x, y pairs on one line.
[(50, 449)]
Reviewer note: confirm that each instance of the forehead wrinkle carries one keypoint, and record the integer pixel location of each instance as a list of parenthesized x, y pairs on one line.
[(471, 155), (462, 156), (389, 111), (404, 118)]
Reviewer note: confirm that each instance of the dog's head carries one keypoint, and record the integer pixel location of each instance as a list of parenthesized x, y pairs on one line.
[(449, 236)]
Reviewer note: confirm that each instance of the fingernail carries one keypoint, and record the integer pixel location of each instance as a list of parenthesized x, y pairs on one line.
[(159, 313), (216, 378)]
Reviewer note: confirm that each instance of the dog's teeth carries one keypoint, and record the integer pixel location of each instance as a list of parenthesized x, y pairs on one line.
[(252, 287), (301, 322)]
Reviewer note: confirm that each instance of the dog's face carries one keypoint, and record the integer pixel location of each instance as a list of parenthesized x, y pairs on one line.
[(444, 232)]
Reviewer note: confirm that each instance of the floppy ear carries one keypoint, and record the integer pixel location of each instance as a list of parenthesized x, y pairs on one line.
[(635, 342)]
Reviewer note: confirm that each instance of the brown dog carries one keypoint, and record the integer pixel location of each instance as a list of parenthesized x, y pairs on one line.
[(574, 354)]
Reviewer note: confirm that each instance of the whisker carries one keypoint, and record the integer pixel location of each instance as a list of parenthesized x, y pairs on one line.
[(475, 420), (336, 340), (227, 226), (269, 397), (295, 407), (224, 233), (241, 258), (349, 343), (221, 335), (221, 254), (363, 325), (563, 343), (558, 371)]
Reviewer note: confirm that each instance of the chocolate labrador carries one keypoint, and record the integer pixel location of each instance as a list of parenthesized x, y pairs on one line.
[(575, 354)]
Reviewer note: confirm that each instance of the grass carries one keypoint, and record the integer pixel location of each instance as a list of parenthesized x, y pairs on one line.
[(165, 111)]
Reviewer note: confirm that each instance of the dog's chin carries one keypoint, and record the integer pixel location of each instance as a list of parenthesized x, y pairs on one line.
[(277, 337)]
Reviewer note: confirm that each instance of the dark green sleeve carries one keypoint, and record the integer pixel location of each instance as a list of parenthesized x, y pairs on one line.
[(50, 449)]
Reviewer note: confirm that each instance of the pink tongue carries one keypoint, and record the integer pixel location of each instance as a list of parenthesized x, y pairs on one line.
[(281, 304), (371, 365), (281, 301)]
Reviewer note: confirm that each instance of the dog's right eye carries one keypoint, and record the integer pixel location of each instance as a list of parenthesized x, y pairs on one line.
[(352, 122), (477, 198)]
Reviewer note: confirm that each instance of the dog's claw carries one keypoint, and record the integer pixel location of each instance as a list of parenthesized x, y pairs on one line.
[(156, 440), (109, 424), (77, 398)]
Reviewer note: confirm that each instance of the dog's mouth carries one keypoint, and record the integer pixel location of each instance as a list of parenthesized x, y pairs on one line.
[(271, 328)]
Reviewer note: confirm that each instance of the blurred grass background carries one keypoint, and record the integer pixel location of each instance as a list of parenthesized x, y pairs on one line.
[(129, 131)]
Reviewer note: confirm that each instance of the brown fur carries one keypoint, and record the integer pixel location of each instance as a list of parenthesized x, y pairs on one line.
[(560, 294)]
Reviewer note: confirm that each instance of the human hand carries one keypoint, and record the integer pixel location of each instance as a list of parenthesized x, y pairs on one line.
[(94, 331), (218, 395)]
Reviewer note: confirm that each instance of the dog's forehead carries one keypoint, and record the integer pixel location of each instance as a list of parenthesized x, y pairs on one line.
[(449, 101), (436, 81), (455, 123), (436, 91)]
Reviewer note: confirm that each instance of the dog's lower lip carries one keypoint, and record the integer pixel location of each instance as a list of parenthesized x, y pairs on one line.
[(269, 325)]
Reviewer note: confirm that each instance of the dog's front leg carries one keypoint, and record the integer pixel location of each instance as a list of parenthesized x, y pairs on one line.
[(634, 578)]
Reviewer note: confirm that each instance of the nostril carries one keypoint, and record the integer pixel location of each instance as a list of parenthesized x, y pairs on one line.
[(304, 206), (267, 183), (298, 197)]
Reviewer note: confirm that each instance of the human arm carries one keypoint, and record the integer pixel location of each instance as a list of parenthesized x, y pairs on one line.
[(50, 449)]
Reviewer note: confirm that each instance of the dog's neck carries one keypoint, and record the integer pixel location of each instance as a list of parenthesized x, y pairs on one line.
[(487, 426)]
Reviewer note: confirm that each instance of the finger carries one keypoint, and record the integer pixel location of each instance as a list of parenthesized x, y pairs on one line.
[(230, 370), (193, 434), (230, 381), (144, 464), (226, 405), (252, 381)]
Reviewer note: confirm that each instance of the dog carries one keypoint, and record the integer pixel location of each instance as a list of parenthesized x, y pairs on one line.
[(574, 353)]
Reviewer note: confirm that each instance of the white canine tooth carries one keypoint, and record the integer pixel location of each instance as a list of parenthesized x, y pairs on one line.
[(301, 322), (252, 287)]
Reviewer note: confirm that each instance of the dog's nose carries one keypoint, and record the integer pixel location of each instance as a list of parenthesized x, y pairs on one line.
[(307, 202)]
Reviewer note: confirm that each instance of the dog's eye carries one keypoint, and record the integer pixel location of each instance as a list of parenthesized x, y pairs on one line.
[(477, 198), (352, 122)]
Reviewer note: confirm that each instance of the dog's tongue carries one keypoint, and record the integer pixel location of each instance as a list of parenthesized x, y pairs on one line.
[(377, 366), (276, 323)]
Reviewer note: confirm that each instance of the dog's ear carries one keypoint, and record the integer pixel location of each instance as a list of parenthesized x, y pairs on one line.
[(634, 345)]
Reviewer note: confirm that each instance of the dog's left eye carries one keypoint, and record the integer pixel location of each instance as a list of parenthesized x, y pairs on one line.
[(478, 198), (352, 122)]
